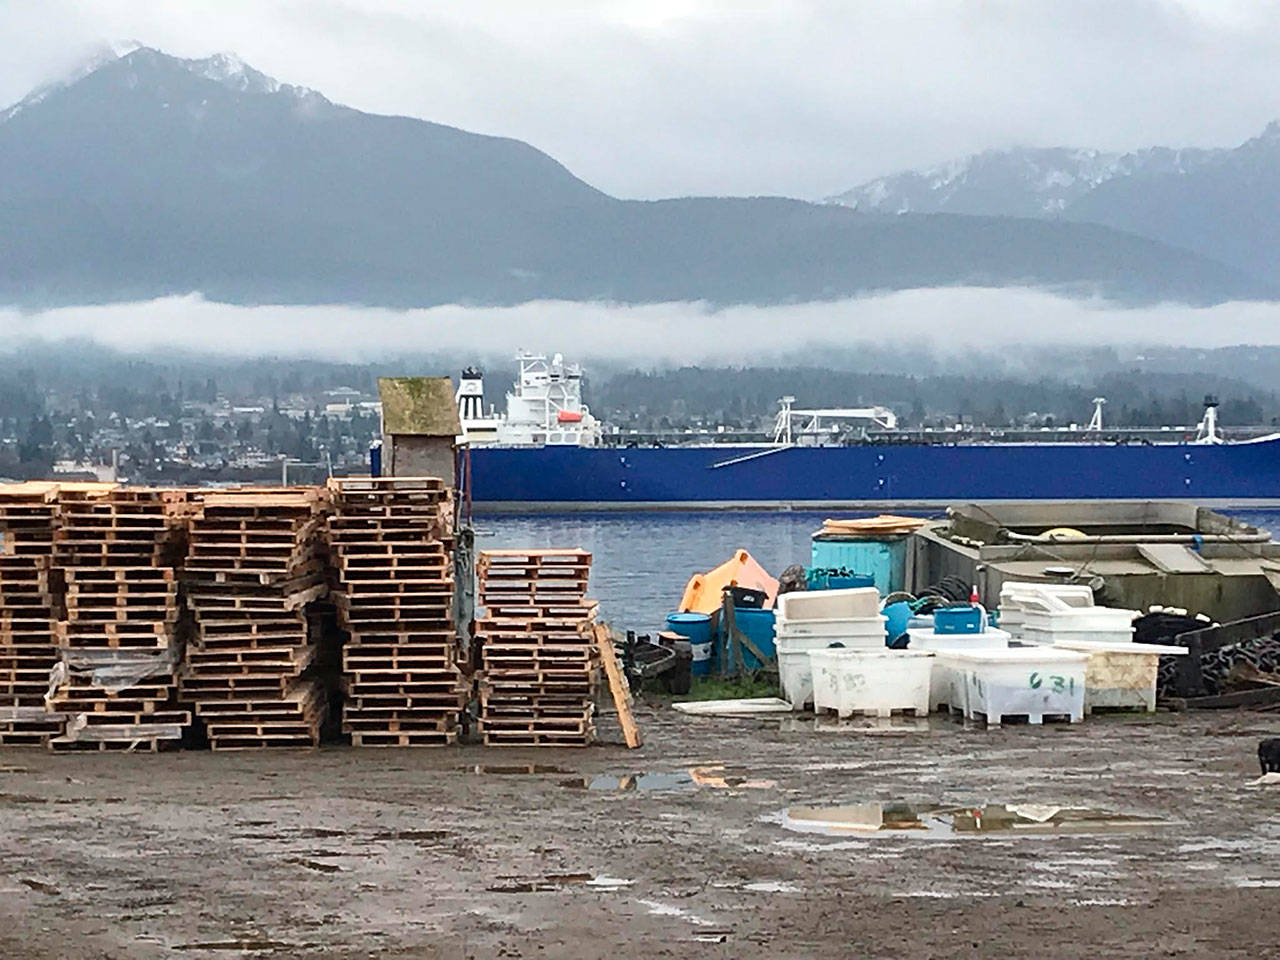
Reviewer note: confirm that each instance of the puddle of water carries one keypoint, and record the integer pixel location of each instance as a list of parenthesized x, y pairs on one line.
[(612, 782), (772, 886), (1257, 883), (557, 881), (722, 778), (716, 776), (514, 770), (657, 909), (605, 882), (904, 819)]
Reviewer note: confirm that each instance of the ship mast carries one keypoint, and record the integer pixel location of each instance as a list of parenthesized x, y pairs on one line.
[(1095, 422), (1207, 432)]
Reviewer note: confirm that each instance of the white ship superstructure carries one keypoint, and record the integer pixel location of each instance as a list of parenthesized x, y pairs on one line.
[(544, 407)]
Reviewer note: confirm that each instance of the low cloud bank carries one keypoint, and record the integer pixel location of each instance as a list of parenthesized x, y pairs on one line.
[(970, 318)]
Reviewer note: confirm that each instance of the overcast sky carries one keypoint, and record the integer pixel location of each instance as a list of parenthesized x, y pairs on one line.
[(648, 98)]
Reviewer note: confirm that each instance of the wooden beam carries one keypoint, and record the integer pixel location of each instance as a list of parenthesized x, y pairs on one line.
[(618, 687), (1242, 698)]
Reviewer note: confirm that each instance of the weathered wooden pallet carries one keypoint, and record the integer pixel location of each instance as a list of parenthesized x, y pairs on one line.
[(140, 719), (436, 738)]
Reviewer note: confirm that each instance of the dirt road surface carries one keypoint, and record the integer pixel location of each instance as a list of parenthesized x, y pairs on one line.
[(413, 853)]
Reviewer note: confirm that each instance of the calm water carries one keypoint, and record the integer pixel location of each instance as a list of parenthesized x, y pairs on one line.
[(643, 560)]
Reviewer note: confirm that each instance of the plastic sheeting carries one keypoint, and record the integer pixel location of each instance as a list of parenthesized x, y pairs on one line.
[(111, 669)]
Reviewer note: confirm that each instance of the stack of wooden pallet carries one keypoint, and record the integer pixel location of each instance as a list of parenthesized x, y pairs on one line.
[(538, 648), (28, 593), (120, 639), (392, 544), (256, 560)]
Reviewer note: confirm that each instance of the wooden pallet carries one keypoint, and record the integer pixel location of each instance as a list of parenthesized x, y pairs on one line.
[(540, 666), (391, 545), (256, 561)]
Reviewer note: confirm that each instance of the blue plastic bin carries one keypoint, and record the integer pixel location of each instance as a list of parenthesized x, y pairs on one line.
[(958, 620), (757, 626)]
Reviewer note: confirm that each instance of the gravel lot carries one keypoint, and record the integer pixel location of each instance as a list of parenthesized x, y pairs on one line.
[(450, 853)]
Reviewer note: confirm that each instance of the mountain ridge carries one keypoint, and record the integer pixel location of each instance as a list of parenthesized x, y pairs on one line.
[(152, 175), (1221, 202)]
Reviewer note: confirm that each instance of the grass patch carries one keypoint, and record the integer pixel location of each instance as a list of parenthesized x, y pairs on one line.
[(745, 687)]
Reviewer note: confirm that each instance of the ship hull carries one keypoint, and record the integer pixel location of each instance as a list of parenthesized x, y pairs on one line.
[(656, 477)]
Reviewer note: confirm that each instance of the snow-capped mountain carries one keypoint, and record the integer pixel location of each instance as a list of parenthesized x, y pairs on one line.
[(1022, 182), (1223, 203), (152, 175), (98, 55), (226, 69)]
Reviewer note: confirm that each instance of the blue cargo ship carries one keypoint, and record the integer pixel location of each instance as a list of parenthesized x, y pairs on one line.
[(546, 453)]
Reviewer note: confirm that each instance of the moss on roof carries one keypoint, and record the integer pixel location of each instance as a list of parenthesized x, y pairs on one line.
[(419, 406)]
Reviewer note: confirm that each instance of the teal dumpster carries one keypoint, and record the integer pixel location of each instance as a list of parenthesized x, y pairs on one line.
[(883, 558)]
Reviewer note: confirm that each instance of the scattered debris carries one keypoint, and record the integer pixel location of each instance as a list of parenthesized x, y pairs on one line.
[(753, 707), (715, 776)]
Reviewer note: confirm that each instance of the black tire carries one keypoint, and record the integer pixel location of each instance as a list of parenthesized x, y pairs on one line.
[(680, 679)]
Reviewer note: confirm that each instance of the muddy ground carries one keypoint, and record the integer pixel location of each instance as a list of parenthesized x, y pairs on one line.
[(412, 853)]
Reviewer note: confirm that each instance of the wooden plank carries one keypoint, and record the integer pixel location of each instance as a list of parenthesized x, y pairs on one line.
[(1242, 698), (618, 687)]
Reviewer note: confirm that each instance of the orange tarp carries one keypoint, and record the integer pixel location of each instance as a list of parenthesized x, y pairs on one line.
[(705, 591)]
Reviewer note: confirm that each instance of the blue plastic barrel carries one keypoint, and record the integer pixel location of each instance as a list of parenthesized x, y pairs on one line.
[(697, 627), (757, 626), (898, 617)]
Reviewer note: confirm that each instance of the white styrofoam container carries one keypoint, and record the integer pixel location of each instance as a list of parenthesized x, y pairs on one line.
[(836, 629), (1034, 682), (795, 671), (862, 681), (1121, 675), (855, 603), (1047, 619), (1011, 592), (940, 685)]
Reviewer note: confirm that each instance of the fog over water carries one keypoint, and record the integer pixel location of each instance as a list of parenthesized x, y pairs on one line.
[(969, 317)]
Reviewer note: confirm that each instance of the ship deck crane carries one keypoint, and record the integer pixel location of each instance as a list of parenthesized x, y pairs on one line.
[(784, 430)]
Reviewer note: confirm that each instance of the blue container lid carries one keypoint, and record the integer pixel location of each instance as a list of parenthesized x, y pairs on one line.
[(688, 618)]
